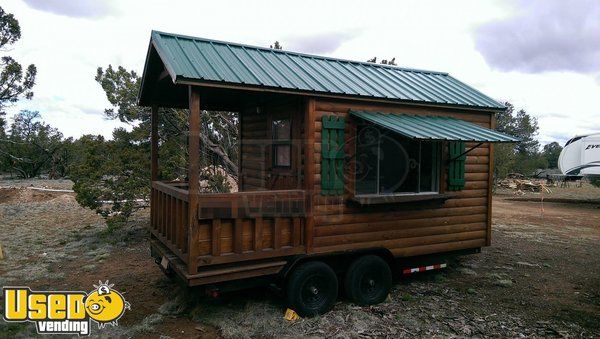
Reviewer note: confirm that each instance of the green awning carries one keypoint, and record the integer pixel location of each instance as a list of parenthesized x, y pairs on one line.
[(427, 127)]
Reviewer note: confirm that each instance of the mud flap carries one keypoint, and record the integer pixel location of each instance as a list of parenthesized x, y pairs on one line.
[(165, 266), (164, 263)]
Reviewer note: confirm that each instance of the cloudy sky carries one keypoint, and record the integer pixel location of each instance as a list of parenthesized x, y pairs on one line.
[(543, 56)]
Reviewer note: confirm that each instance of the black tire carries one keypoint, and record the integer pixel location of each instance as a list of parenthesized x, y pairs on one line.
[(368, 280), (312, 289)]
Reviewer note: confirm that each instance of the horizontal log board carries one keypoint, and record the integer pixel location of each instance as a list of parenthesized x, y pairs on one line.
[(259, 184), (251, 187), (458, 223), (251, 255), (256, 167), (408, 237), (285, 203), (406, 242), (237, 272), (476, 184), (254, 172), (472, 159), (391, 225), (437, 248), (247, 133), (341, 107), (253, 148), (329, 219), (259, 158)]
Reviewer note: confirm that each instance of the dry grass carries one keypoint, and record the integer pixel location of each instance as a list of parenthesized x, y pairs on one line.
[(538, 279)]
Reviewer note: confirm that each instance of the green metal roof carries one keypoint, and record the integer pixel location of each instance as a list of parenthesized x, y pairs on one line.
[(204, 61), (427, 127)]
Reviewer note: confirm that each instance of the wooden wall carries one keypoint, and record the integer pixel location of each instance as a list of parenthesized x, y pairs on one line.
[(461, 222), (256, 170), (253, 143)]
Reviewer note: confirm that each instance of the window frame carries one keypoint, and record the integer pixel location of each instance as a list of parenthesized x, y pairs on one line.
[(437, 169), (276, 143)]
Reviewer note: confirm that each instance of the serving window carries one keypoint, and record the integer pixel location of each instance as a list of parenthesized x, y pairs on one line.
[(390, 164)]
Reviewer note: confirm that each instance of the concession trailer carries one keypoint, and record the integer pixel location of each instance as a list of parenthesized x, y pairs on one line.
[(348, 171)]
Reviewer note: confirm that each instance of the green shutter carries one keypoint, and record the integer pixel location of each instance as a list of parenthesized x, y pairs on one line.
[(332, 155), (456, 165)]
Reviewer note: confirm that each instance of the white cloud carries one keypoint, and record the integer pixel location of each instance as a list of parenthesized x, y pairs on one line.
[(420, 34), (324, 43), (544, 35), (74, 8)]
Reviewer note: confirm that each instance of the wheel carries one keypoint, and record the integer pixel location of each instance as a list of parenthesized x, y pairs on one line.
[(368, 280), (312, 289)]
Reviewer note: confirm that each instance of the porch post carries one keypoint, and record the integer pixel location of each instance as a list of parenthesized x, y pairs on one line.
[(488, 232), (193, 177), (309, 172), (153, 165), (154, 144)]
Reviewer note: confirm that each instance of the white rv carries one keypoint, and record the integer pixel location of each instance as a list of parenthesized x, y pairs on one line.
[(581, 156)]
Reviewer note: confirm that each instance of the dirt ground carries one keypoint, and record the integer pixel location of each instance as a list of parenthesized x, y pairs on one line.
[(540, 277)]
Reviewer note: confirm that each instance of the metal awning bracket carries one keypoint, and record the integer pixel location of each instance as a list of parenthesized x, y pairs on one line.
[(465, 152)]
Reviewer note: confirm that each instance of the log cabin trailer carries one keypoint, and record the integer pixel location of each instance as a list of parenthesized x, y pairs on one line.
[(349, 171)]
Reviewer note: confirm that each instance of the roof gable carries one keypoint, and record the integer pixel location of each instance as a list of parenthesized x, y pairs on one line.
[(204, 61)]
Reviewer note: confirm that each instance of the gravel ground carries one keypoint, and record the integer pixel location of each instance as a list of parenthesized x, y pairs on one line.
[(540, 278)]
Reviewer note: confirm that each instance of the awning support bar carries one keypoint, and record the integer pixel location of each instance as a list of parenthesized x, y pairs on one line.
[(465, 152)]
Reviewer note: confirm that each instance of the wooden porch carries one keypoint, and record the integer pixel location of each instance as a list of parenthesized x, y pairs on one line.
[(231, 227), (213, 237)]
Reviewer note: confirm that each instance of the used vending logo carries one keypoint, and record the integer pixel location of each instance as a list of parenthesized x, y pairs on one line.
[(65, 312)]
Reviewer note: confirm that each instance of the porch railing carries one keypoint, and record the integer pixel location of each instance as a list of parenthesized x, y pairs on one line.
[(169, 216), (231, 226)]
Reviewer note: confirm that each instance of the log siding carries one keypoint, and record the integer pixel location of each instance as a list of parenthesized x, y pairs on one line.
[(460, 222)]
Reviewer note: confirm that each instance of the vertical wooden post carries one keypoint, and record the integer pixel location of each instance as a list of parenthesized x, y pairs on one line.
[(216, 237), (239, 159), (258, 234), (277, 233), (193, 177), (488, 233), (309, 172), (238, 236), (153, 164), (154, 143)]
